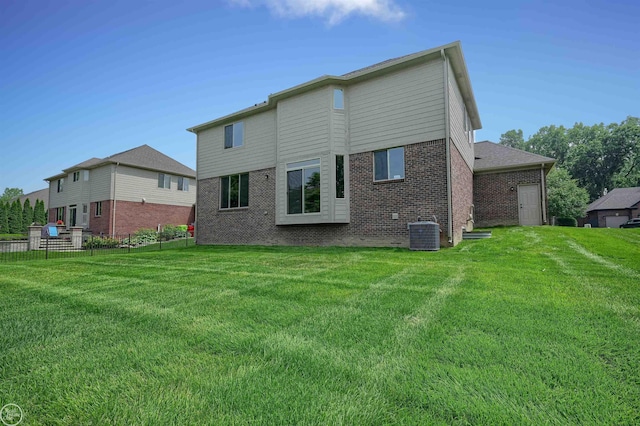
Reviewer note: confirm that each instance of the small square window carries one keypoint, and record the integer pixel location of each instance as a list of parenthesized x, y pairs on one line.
[(389, 164), (234, 135)]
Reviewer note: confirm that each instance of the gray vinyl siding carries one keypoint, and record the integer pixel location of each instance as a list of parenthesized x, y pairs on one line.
[(133, 184), (461, 139), (303, 125), (100, 183), (257, 152), (397, 109)]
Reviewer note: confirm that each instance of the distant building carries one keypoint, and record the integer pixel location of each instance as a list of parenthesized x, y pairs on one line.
[(41, 194), (138, 188), (614, 208)]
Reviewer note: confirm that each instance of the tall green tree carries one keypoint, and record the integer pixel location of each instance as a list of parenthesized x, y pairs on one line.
[(566, 199), (513, 138), (11, 194), (550, 141), (39, 214), (4, 218), (15, 217), (27, 215), (629, 174)]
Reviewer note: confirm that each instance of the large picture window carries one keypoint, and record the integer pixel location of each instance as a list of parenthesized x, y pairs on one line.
[(234, 135), (303, 187), (234, 191), (389, 164)]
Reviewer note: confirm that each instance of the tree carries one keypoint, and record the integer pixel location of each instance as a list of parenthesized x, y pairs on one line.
[(15, 217), (27, 215), (550, 141), (39, 214), (566, 198), (11, 194), (4, 218), (629, 174), (513, 139)]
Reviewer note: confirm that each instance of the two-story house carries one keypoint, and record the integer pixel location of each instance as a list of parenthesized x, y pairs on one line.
[(344, 160), (119, 194), (353, 159)]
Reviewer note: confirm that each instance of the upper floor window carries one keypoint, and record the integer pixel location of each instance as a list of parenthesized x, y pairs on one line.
[(76, 176), (234, 191), (338, 98), (60, 184), (303, 187), (183, 184), (164, 181), (86, 175), (389, 164), (467, 126), (234, 135)]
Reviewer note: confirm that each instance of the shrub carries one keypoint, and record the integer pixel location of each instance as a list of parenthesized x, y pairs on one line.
[(143, 236), (100, 243), (567, 221), (169, 232)]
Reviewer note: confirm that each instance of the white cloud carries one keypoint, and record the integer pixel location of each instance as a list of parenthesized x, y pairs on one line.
[(333, 10)]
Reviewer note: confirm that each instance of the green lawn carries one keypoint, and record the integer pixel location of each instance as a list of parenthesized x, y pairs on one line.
[(533, 326)]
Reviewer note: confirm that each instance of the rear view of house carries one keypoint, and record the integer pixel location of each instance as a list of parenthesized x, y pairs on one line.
[(344, 160), (119, 194)]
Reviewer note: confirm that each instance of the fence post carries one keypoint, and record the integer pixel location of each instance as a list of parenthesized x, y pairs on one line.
[(129, 244), (46, 249), (91, 244)]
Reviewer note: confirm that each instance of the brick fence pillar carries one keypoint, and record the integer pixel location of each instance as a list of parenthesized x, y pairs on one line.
[(76, 236), (35, 233)]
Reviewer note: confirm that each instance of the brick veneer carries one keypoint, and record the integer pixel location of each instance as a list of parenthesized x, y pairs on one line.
[(496, 204), (131, 216), (461, 192), (422, 193)]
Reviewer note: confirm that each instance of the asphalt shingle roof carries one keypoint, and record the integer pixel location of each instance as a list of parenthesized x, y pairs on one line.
[(143, 157), (491, 156), (619, 198)]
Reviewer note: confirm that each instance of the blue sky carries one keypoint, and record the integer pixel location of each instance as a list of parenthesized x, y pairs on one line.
[(82, 79)]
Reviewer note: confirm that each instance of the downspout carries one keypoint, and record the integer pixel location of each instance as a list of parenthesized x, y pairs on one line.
[(195, 213), (113, 213), (544, 194), (447, 136)]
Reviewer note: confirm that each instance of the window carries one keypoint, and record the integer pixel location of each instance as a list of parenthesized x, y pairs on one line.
[(99, 208), (234, 191), (86, 175), (338, 98), (76, 176), (303, 187), (183, 184), (389, 164), (60, 184), (60, 214), (339, 176), (234, 135), (164, 181), (467, 127)]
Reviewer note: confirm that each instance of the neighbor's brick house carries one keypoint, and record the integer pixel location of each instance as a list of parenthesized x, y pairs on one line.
[(344, 160), (615, 208), (138, 188)]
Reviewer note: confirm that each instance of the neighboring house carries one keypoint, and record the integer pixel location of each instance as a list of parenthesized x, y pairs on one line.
[(344, 160), (41, 194), (138, 188), (615, 208), (509, 186)]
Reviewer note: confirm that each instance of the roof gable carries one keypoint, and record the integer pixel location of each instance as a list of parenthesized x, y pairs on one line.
[(493, 156), (619, 198)]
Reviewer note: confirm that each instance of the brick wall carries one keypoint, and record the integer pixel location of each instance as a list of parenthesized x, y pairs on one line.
[(496, 196), (100, 224), (461, 192), (131, 216), (422, 193)]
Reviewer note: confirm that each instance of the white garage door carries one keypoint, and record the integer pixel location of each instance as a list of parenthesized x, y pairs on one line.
[(615, 221)]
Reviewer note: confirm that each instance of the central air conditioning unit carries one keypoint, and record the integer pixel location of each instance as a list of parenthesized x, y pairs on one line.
[(424, 236)]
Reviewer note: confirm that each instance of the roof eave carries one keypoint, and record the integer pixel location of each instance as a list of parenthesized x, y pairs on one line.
[(513, 167)]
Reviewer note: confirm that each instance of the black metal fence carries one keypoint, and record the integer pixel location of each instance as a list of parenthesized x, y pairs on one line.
[(26, 248)]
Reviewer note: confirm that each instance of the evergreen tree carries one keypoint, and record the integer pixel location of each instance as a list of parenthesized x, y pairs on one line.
[(4, 218), (39, 215), (27, 215), (15, 218)]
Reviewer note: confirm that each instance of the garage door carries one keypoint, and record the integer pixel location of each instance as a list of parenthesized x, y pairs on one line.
[(615, 221)]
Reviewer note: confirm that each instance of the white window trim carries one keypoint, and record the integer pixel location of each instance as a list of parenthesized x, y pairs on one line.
[(234, 144), (388, 179)]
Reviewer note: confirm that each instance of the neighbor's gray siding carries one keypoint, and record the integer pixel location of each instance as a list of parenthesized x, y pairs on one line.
[(257, 152), (463, 140), (100, 183), (133, 184), (397, 109)]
